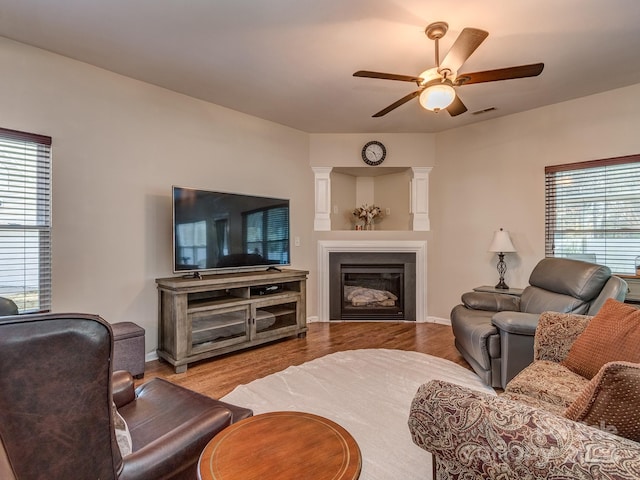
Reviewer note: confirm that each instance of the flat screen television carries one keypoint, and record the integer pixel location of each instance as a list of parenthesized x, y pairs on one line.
[(217, 231)]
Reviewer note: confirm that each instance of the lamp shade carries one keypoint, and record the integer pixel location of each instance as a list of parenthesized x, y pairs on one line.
[(501, 242)]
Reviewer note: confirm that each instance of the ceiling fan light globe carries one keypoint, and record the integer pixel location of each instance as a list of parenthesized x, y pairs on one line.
[(437, 97)]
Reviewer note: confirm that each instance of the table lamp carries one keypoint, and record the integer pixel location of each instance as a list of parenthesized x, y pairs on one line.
[(501, 244)]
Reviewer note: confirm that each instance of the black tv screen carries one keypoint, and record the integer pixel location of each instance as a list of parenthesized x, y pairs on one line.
[(222, 231)]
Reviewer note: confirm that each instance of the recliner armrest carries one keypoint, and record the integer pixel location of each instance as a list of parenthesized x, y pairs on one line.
[(519, 323), (492, 302), (122, 387)]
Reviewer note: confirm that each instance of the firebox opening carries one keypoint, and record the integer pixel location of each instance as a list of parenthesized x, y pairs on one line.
[(372, 291), (372, 286)]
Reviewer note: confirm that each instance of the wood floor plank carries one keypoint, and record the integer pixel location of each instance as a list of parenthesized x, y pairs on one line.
[(218, 376)]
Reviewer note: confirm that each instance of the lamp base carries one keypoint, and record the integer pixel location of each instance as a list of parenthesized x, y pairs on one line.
[(502, 268)]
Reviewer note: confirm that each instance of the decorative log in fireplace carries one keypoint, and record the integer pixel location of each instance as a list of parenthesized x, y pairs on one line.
[(369, 297)]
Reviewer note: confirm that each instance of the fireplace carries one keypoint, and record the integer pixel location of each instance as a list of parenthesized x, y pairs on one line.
[(372, 286), (417, 248)]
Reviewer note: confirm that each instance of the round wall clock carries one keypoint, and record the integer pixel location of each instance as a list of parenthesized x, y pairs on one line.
[(374, 153)]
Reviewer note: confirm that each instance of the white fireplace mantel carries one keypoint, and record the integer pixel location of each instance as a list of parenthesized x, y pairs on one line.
[(325, 247)]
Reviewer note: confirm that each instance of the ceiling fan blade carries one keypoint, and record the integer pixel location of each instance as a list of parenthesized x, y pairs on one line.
[(387, 76), (456, 107), (508, 73), (466, 43), (395, 105)]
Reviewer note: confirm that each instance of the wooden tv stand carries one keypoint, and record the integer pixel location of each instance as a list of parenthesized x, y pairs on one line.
[(204, 317)]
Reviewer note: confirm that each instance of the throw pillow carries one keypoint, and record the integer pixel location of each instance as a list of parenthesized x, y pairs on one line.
[(123, 436), (611, 401), (613, 334)]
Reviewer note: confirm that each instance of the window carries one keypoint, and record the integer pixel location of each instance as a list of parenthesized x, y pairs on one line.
[(593, 212), (25, 220), (192, 244), (267, 233)]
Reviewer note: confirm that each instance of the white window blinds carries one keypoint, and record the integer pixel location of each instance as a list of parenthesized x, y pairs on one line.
[(593, 212), (25, 220)]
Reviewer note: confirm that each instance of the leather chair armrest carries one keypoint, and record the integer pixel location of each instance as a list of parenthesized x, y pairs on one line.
[(493, 302), (122, 387), (517, 335), (184, 445), (519, 323), (476, 435)]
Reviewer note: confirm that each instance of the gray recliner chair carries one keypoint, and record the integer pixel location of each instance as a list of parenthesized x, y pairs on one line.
[(494, 331), (7, 307)]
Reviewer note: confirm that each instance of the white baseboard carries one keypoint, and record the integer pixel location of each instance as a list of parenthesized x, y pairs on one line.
[(439, 320), (151, 356)]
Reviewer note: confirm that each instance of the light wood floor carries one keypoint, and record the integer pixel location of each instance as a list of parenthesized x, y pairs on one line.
[(218, 376)]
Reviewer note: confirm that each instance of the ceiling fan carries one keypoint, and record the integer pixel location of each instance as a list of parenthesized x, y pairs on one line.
[(436, 85)]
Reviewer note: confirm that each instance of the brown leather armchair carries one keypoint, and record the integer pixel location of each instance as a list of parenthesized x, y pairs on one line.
[(56, 415)]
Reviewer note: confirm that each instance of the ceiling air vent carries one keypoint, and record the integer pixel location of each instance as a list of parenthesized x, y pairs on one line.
[(490, 109)]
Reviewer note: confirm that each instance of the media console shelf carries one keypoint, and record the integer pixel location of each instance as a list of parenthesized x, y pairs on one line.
[(218, 314)]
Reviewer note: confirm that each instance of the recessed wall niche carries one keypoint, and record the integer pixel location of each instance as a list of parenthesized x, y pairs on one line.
[(401, 192)]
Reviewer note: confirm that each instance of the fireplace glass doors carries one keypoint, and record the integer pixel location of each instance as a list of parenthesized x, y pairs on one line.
[(372, 286), (372, 290)]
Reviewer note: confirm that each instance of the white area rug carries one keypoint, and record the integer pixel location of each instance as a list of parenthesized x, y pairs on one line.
[(368, 392)]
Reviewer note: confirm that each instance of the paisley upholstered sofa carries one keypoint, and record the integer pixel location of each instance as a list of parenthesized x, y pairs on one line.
[(550, 422)]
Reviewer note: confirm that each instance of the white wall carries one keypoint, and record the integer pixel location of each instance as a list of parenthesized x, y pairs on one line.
[(120, 144), (118, 147), (345, 150), (343, 200), (392, 193), (491, 175)]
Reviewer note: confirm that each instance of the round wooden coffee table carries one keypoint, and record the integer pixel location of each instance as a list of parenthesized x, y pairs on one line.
[(283, 446)]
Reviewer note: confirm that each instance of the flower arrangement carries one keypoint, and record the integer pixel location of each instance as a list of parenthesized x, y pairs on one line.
[(367, 213)]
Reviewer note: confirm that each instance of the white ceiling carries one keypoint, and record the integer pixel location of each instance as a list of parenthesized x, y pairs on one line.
[(291, 61)]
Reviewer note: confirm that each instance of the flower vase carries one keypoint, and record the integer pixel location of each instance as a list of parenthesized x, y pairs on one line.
[(369, 226)]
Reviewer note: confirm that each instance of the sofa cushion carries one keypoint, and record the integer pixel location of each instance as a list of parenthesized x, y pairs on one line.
[(534, 402), (611, 401), (612, 335), (556, 333), (549, 382)]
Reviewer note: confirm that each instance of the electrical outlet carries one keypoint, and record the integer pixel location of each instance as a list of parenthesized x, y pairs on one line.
[(387, 211), (296, 241)]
